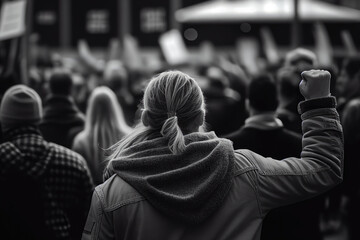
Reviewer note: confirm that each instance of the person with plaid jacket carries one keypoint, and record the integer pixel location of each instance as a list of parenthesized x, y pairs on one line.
[(59, 177)]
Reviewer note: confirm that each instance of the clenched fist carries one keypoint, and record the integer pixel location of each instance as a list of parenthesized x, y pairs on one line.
[(315, 84)]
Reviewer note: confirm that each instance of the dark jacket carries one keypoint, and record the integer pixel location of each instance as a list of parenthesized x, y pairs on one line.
[(223, 113), (157, 195), (59, 174), (22, 207), (290, 119), (266, 135), (62, 120)]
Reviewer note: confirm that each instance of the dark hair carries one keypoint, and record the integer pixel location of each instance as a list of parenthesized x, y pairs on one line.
[(350, 121), (352, 66), (262, 93), (288, 82), (61, 83)]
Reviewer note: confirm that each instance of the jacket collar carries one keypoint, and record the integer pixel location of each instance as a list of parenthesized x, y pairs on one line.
[(59, 103), (25, 150), (266, 121), (20, 132), (59, 108)]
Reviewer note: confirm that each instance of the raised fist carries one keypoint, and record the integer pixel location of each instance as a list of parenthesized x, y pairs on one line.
[(315, 84)]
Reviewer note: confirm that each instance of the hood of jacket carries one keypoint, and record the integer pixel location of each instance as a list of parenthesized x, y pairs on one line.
[(189, 186)]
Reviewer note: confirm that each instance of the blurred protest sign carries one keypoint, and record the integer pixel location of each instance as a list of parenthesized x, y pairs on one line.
[(12, 19), (132, 55), (173, 47), (323, 46), (269, 46), (348, 43), (207, 54), (88, 58), (114, 49), (247, 50)]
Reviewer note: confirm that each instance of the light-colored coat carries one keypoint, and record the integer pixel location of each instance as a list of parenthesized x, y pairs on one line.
[(118, 211)]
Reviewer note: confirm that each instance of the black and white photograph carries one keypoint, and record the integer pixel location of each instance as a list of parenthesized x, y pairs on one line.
[(179, 119)]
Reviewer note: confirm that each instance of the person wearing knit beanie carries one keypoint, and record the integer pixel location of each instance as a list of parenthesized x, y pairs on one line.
[(301, 58), (46, 188), (20, 106)]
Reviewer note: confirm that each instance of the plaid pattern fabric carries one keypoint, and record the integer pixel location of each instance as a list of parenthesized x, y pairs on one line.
[(64, 174)]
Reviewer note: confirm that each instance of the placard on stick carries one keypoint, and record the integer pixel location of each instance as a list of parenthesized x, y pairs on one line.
[(173, 47), (12, 19)]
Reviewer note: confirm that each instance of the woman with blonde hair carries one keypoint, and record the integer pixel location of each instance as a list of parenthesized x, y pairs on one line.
[(168, 179), (104, 126)]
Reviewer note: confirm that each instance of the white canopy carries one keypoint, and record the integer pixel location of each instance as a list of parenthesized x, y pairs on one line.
[(265, 10)]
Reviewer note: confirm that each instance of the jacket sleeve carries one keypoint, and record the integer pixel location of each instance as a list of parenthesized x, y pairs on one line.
[(98, 224), (320, 167)]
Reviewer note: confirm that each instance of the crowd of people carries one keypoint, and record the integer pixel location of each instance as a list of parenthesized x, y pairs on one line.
[(155, 150)]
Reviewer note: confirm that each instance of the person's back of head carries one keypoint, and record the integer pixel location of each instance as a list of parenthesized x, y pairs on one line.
[(115, 75), (301, 58), (20, 106), (105, 116), (60, 83), (348, 82), (287, 81), (351, 119), (352, 67), (173, 105), (262, 94)]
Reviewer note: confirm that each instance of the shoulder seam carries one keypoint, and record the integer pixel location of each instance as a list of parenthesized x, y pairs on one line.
[(255, 184), (124, 203), (244, 170)]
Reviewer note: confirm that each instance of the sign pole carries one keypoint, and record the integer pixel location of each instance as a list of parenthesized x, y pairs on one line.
[(295, 33), (24, 53)]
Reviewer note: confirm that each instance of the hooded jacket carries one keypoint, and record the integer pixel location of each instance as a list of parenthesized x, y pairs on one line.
[(211, 191)]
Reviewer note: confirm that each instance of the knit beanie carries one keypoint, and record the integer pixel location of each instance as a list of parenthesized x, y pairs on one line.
[(20, 105), (300, 54)]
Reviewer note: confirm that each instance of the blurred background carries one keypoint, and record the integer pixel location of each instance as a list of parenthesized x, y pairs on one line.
[(224, 44), (64, 28)]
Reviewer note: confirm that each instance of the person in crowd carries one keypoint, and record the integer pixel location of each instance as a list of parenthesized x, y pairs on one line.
[(265, 134), (288, 79), (59, 175), (289, 97), (301, 58), (221, 102), (263, 124), (104, 126), (351, 186), (168, 179), (62, 119), (22, 207), (116, 78), (348, 82)]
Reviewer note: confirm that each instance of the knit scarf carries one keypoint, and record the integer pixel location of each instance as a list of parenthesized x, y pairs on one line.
[(188, 187)]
